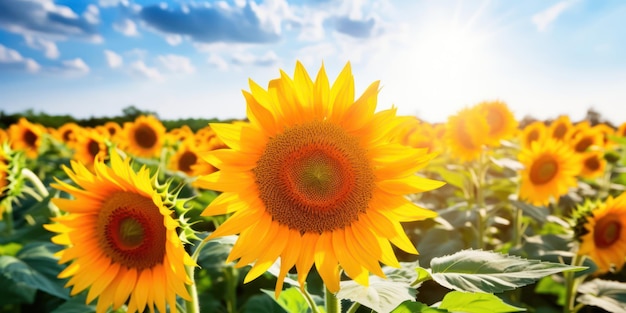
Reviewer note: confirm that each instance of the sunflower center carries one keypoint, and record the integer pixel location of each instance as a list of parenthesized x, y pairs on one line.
[(314, 177), (583, 144), (186, 160), (495, 121), (559, 131), (131, 230), (606, 232), (145, 136), (592, 163), (532, 136), (543, 170), (464, 137), (30, 138), (93, 147)]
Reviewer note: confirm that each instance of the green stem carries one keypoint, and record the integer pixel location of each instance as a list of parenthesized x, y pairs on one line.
[(192, 306), (352, 309), (34, 179), (571, 286), (231, 294), (309, 299), (518, 228), (8, 219), (333, 305)]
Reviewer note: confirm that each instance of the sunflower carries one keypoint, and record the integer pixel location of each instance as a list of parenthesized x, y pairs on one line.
[(26, 136), (535, 131), (466, 133), (178, 134), (621, 130), (144, 136), (586, 139), (185, 158), (315, 177), (604, 234), (593, 164), (550, 169), (560, 128), (67, 133), (89, 145), (501, 121), (110, 130), (121, 239), (3, 135)]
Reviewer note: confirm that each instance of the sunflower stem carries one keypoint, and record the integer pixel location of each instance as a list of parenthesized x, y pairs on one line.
[(193, 305), (333, 305), (34, 179), (571, 285), (518, 228), (309, 299), (352, 309), (231, 294)]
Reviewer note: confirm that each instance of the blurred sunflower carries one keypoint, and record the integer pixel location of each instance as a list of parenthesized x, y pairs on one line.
[(144, 136), (603, 236), (535, 131), (501, 121), (315, 178), (466, 133), (593, 164), (560, 128), (178, 135), (110, 130), (185, 158), (3, 135), (621, 130), (550, 169), (26, 136), (67, 133), (121, 239), (89, 145), (586, 138)]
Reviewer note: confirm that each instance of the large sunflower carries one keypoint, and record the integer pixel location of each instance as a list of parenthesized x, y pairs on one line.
[(26, 136), (144, 136), (550, 169), (315, 178), (604, 240), (122, 242)]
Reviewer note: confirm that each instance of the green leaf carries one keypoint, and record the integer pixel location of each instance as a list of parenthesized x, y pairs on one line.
[(262, 304), (491, 272), (407, 272), (538, 213), (456, 301), (608, 295), (416, 307), (549, 286), (381, 295), (291, 300), (12, 292)]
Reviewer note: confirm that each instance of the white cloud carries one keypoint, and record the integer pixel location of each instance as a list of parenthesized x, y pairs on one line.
[(113, 59), (217, 61), (543, 19), (92, 14), (174, 40), (112, 3), (176, 63), (11, 59), (126, 27), (139, 68), (48, 47), (247, 58), (75, 66)]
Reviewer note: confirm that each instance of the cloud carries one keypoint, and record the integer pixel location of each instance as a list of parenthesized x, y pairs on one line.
[(13, 60), (268, 59), (92, 14), (543, 19), (139, 68), (353, 27), (126, 27), (48, 47), (45, 18), (174, 40), (176, 63), (73, 67), (217, 61), (114, 60), (212, 23)]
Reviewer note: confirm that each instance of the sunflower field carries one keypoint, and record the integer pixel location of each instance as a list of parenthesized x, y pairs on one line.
[(316, 201)]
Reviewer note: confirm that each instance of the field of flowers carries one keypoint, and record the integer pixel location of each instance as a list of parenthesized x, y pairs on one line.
[(315, 202)]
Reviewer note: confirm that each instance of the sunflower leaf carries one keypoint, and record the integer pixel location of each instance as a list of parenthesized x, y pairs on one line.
[(416, 307), (456, 301), (608, 295), (290, 299), (381, 295), (491, 272)]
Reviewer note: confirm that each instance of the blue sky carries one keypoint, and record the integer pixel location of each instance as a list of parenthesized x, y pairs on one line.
[(192, 58)]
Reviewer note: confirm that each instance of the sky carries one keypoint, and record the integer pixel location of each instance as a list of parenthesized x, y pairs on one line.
[(193, 58)]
